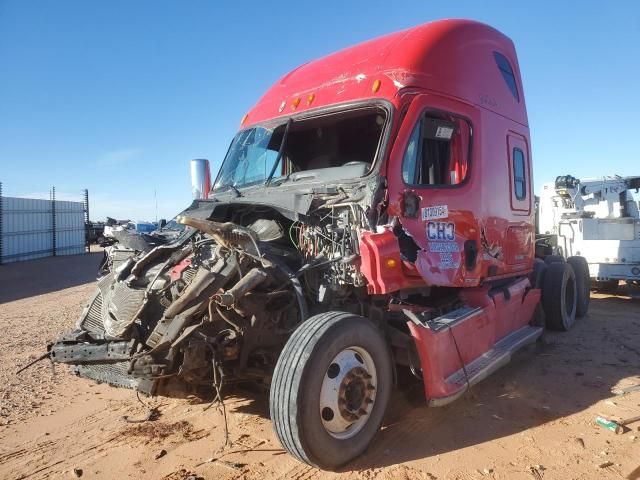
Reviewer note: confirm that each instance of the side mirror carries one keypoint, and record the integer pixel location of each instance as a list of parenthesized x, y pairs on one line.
[(200, 178), (162, 223)]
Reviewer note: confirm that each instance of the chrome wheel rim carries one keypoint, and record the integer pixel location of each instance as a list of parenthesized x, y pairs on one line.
[(348, 392)]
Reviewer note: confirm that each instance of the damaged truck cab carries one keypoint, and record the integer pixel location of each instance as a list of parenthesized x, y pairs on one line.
[(373, 213)]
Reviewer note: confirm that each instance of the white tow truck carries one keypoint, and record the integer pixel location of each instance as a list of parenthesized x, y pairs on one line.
[(597, 218)]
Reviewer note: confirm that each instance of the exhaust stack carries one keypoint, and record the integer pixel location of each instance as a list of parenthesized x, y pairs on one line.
[(200, 178)]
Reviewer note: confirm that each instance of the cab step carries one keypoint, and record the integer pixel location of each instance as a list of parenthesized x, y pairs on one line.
[(497, 357), (486, 364)]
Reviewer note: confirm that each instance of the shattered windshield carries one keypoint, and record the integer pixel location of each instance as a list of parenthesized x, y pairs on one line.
[(250, 158), (346, 142)]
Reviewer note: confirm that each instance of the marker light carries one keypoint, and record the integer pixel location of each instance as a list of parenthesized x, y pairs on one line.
[(311, 98), (376, 86), (244, 119), (295, 103), (391, 263)]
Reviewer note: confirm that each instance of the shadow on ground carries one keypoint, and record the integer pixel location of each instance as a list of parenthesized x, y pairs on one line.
[(36, 277), (543, 383)]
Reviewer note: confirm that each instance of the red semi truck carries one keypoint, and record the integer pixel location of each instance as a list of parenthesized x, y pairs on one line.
[(374, 212)]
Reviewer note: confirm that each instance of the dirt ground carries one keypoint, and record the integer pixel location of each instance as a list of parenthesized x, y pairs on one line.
[(533, 419)]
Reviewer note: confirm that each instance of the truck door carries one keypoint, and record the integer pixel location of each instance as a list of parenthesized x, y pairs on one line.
[(519, 237), (432, 190)]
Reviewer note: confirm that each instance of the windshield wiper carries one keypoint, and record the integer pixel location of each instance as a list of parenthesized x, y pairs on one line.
[(280, 152), (235, 190)]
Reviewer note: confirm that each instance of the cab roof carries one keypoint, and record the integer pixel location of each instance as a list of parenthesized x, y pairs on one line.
[(458, 58)]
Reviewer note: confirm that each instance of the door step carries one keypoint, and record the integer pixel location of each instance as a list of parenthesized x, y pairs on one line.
[(454, 317), (497, 357)]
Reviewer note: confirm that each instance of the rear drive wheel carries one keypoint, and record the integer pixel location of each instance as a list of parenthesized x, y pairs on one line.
[(330, 389), (536, 277), (559, 296), (583, 284), (549, 259)]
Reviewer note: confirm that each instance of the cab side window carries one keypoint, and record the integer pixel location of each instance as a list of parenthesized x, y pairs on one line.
[(438, 150), (507, 74), (519, 176)]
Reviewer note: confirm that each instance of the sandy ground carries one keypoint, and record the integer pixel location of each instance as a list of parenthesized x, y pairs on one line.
[(531, 420)]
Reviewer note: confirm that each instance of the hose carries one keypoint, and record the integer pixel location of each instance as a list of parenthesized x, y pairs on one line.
[(295, 283)]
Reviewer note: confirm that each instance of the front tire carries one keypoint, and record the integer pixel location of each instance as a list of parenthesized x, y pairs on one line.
[(330, 389)]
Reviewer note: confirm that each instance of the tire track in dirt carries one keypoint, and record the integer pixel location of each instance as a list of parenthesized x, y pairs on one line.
[(50, 450)]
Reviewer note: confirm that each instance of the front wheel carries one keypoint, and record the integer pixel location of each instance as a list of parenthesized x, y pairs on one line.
[(330, 389)]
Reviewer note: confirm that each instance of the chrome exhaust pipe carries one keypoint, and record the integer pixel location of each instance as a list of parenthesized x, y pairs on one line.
[(200, 178)]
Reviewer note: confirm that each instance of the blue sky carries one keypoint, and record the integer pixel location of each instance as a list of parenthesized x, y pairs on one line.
[(117, 96)]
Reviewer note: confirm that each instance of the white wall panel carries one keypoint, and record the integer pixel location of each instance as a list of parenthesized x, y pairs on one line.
[(27, 228)]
